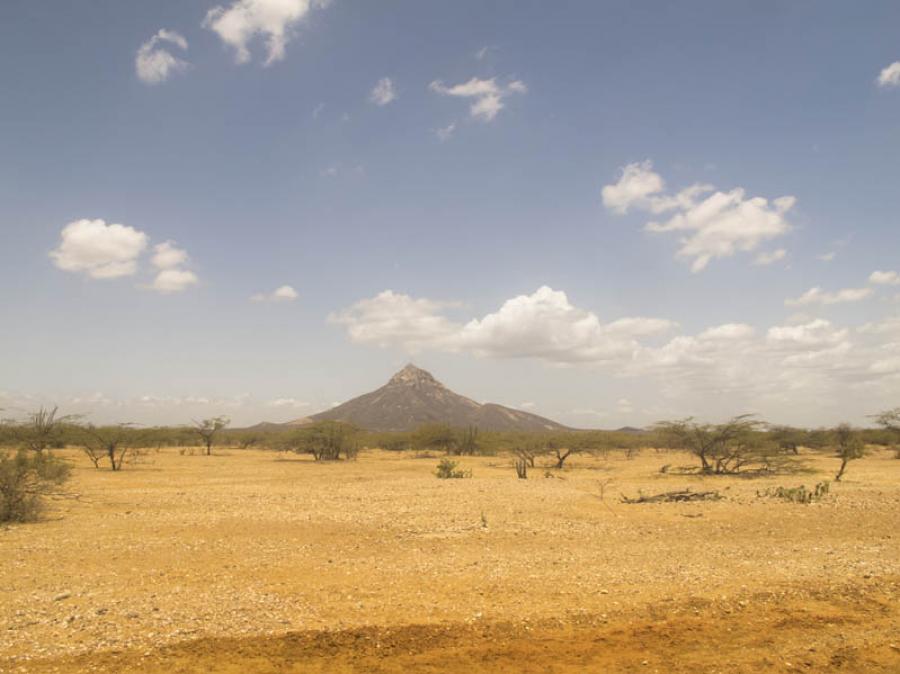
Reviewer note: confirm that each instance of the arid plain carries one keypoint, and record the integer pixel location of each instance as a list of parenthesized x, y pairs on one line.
[(256, 561)]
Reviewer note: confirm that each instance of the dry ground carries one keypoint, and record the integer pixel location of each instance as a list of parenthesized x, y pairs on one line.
[(247, 561)]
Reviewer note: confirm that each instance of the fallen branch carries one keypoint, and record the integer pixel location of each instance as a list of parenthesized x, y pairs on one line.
[(682, 496)]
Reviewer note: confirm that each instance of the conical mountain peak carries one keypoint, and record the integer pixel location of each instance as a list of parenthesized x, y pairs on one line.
[(413, 397), (413, 376)]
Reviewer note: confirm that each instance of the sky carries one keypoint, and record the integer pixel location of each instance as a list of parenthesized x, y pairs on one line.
[(607, 213)]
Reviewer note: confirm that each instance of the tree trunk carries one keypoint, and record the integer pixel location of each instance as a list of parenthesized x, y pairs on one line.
[(837, 478)]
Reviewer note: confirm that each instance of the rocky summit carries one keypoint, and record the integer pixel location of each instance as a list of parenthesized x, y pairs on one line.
[(413, 397)]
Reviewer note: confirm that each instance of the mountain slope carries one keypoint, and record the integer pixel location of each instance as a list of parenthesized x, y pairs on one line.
[(413, 397)]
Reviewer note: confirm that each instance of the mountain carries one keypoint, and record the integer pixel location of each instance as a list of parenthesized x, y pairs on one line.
[(413, 397)]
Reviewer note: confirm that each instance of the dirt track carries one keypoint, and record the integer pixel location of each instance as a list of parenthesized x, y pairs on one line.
[(246, 563)]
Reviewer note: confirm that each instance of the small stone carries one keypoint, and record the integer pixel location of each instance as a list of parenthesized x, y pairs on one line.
[(62, 595)]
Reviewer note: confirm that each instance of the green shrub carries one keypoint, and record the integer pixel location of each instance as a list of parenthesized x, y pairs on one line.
[(446, 470)]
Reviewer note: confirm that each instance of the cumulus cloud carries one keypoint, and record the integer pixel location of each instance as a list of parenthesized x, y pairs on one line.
[(543, 325), (818, 296), (889, 76), (770, 257), (98, 249), (172, 277), (273, 20), (488, 96), (167, 255), (396, 319), (170, 281), (547, 326), (885, 278), (710, 223), (154, 64), (383, 92), (281, 294), (745, 365)]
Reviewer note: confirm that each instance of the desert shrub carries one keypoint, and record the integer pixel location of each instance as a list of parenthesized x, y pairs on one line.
[(727, 448), (797, 494), (446, 470), (25, 479), (848, 447)]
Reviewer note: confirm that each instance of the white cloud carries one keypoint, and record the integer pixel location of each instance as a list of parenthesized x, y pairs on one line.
[(445, 133), (885, 278), (155, 64), (728, 331), (99, 250), (392, 318), (818, 332), (291, 403), (818, 296), (487, 94), (806, 366), (827, 257), (543, 325), (169, 259), (636, 188), (167, 255), (170, 281), (890, 76), (770, 257), (547, 326), (281, 294), (274, 20), (383, 92), (711, 224)]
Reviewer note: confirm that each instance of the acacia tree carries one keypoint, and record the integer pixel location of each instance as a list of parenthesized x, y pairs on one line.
[(207, 429), (326, 441), (561, 450), (109, 442), (848, 447), (787, 438), (721, 448), (889, 420), (528, 452)]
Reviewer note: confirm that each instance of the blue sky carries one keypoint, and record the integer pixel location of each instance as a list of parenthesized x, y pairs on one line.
[(456, 155)]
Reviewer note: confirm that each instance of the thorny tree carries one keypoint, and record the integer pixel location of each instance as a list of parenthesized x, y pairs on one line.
[(207, 429), (721, 448), (849, 446), (42, 429), (109, 442)]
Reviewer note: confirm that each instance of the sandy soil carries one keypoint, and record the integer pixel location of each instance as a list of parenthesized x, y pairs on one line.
[(248, 561)]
